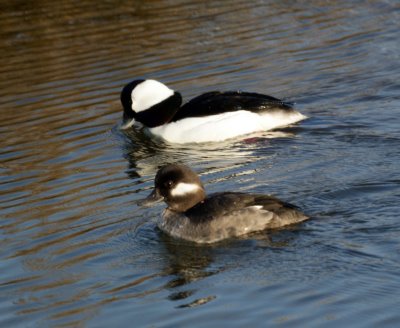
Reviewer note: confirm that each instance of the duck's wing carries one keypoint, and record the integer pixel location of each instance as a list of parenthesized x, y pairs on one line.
[(215, 102)]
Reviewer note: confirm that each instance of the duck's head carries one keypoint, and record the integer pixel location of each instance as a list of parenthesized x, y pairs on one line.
[(149, 102), (178, 186)]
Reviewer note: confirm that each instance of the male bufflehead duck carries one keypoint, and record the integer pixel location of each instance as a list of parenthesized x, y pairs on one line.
[(213, 116), (193, 216)]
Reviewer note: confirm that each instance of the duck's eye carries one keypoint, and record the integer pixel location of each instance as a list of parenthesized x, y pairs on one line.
[(169, 183)]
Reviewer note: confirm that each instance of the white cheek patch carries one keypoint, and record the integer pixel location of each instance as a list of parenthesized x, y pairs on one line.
[(149, 93), (256, 207), (182, 189)]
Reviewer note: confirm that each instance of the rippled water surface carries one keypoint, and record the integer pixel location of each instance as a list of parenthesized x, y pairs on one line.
[(75, 248)]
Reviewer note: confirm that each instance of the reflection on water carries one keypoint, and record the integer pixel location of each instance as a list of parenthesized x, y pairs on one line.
[(146, 155), (76, 250)]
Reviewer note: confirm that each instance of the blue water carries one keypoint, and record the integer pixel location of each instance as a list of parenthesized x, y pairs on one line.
[(75, 248)]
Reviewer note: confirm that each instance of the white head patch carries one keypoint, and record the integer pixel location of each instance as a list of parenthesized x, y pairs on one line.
[(149, 93), (182, 189)]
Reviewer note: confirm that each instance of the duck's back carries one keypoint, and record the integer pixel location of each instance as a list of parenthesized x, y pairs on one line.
[(216, 102)]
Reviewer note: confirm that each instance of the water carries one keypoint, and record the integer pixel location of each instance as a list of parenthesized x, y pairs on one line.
[(76, 250)]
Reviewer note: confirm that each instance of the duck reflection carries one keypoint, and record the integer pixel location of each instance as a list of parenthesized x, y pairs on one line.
[(187, 263), (146, 155)]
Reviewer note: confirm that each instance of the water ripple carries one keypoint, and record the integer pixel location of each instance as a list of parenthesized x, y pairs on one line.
[(75, 248)]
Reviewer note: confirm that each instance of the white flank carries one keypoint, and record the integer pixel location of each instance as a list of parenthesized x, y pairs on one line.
[(223, 126), (182, 189), (149, 93)]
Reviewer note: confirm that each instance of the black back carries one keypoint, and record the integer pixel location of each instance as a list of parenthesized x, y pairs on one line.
[(215, 102)]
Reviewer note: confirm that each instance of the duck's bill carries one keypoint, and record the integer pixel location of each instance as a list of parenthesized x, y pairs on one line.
[(126, 124), (151, 199)]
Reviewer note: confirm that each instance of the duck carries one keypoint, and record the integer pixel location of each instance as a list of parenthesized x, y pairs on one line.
[(193, 216), (214, 116)]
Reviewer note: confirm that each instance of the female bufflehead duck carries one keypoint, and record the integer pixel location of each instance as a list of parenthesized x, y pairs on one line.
[(193, 216), (213, 116)]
